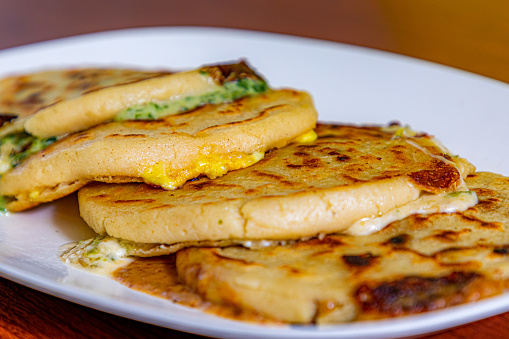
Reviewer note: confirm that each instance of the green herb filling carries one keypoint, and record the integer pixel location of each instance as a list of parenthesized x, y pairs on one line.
[(18, 146), (228, 92)]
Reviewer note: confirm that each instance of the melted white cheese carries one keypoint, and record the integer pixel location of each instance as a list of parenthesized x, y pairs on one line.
[(105, 254), (458, 201), (101, 255)]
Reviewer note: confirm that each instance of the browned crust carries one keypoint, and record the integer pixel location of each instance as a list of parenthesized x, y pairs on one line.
[(231, 72), (27, 94), (416, 294), (6, 117), (441, 176)]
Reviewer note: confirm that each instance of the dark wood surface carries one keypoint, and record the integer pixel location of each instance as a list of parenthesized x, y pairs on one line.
[(466, 34)]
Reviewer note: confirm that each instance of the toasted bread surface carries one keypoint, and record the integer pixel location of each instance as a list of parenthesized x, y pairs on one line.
[(29, 95), (419, 264), (347, 174), (54, 103), (227, 134)]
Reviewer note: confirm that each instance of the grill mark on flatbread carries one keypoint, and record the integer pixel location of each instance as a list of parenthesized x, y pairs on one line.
[(135, 201), (211, 184), (307, 146), (439, 257), (75, 139), (233, 109), (116, 135), (100, 196), (410, 295), (212, 203), (501, 250), (307, 162), (399, 240), (272, 176), (276, 178), (326, 242), (449, 235), (261, 115), (357, 168), (92, 90), (482, 191), (494, 225), (342, 157), (33, 99), (230, 111), (490, 202), (362, 260), (354, 180), (436, 258), (292, 270), (162, 206), (148, 124), (458, 249), (235, 260)]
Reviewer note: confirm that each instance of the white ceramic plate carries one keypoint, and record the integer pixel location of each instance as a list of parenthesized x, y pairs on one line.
[(349, 84)]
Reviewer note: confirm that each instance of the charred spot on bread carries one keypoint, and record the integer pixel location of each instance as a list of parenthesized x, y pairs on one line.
[(416, 294)]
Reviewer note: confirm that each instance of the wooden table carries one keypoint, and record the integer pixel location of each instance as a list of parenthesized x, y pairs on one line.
[(467, 34)]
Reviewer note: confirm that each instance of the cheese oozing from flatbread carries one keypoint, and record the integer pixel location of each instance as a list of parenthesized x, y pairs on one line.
[(104, 254), (140, 99), (98, 255), (212, 166), (454, 202)]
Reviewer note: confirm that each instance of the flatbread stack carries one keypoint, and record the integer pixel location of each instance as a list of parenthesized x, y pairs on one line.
[(348, 174), (418, 264), (160, 148), (55, 103), (249, 203)]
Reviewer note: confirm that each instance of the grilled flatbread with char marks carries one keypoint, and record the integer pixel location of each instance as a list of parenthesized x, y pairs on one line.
[(166, 152), (38, 109), (27, 94), (347, 174), (418, 264), (54, 103)]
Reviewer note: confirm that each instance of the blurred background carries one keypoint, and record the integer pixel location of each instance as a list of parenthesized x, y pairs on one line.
[(467, 34), (471, 35)]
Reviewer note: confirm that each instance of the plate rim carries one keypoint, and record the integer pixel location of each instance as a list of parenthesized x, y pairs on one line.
[(73, 293)]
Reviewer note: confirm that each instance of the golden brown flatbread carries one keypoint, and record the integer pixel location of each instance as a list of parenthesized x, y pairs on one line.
[(25, 95), (210, 140), (54, 103), (418, 264), (348, 174)]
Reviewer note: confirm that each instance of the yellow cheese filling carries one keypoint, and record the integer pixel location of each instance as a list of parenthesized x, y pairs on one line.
[(213, 166), (309, 136), (34, 195)]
